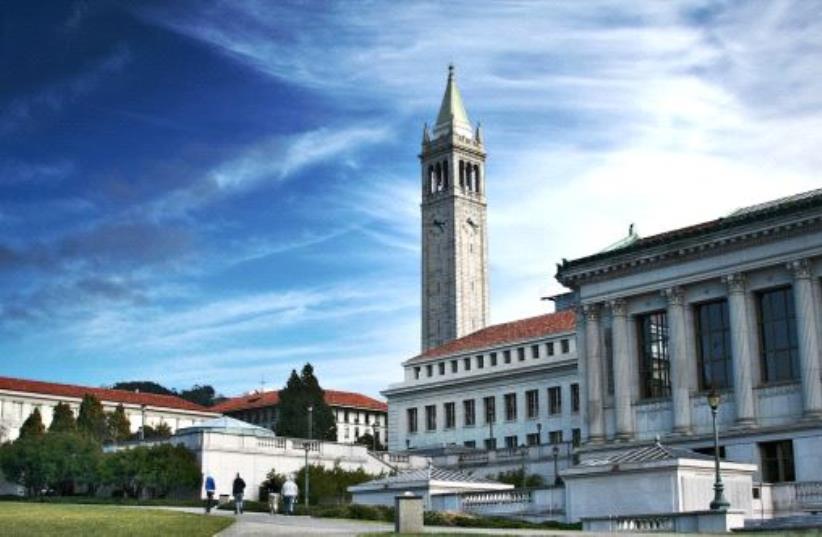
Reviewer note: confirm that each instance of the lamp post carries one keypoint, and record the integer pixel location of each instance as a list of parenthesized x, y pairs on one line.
[(719, 502), (142, 422), (307, 447), (557, 479)]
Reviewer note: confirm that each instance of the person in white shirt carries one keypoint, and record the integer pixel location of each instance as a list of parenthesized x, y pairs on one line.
[(290, 493)]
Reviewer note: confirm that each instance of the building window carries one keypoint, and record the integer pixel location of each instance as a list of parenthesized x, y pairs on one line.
[(429, 370), (470, 443), (417, 373), (450, 415), (466, 362), (532, 439), (493, 359), (555, 437), (654, 362), (490, 405), (576, 437), (511, 441), (442, 368), (411, 417), (555, 400), (714, 345), (454, 366), (565, 345), (534, 351), (430, 418), (510, 406), (490, 444), (777, 328), (608, 344), (777, 461), (532, 403), (521, 354), (506, 356), (346, 416), (549, 348), (575, 397), (480, 362), (469, 412)]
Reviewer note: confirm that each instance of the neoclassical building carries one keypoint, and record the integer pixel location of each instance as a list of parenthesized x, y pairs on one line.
[(356, 414), (731, 304)]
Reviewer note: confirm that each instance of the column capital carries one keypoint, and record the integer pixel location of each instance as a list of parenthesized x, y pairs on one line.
[(591, 311), (735, 282), (618, 307), (674, 295), (800, 268)]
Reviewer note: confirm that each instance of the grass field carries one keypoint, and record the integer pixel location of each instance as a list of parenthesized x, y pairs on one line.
[(29, 519)]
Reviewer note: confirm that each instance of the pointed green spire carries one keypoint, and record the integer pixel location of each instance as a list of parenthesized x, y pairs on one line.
[(452, 113)]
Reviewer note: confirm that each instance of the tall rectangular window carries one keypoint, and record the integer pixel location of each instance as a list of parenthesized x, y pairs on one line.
[(480, 361), (411, 418), (469, 412), (532, 403), (417, 373), (777, 461), (442, 368), (466, 362), (555, 400), (777, 329), (490, 406), (534, 351), (532, 439), (555, 437), (506, 356), (454, 366), (510, 406), (493, 359), (431, 418), (511, 441), (490, 443), (713, 330), (654, 359), (576, 437), (450, 415), (565, 345), (549, 348), (575, 397), (521, 354), (429, 370), (470, 443)]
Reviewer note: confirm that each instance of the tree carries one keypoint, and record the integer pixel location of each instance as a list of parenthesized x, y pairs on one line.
[(119, 427), (331, 485), (91, 419), (300, 392), (33, 426), (367, 440), (62, 419), (144, 386), (70, 459), (201, 395), (161, 431)]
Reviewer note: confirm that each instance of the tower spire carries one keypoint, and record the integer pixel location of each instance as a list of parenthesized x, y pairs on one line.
[(452, 115)]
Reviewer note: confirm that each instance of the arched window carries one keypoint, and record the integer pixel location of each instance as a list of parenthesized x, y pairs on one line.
[(431, 184), (445, 175), (476, 178), (462, 174), (468, 170), (439, 178)]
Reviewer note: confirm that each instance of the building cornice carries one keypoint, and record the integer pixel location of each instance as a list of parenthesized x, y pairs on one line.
[(78, 400)]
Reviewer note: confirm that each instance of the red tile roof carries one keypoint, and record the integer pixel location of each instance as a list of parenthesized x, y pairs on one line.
[(332, 397), (103, 394), (500, 334)]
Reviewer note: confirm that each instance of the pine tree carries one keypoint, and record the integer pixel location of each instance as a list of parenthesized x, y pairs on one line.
[(91, 419), (33, 426), (62, 420), (300, 392), (119, 427)]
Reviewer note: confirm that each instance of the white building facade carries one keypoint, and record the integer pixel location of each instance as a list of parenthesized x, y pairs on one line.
[(732, 304), (20, 397), (506, 386)]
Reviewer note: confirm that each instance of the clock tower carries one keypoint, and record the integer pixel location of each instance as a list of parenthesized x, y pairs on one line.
[(454, 235)]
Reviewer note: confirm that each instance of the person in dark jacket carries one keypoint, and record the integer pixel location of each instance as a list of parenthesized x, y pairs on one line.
[(237, 488)]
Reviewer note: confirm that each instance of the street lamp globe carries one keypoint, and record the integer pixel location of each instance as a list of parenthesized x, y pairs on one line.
[(713, 399)]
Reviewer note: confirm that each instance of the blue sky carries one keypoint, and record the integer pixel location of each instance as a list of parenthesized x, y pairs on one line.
[(217, 192)]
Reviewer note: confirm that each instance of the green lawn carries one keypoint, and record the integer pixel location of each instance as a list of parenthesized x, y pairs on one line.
[(29, 519)]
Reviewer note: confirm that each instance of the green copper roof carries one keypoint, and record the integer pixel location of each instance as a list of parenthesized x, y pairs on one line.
[(452, 113)]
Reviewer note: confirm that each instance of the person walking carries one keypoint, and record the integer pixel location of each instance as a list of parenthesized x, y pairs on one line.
[(210, 488), (237, 489), (290, 493)]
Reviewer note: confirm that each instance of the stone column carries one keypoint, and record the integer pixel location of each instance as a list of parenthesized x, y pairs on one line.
[(741, 334), (680, 364), (596, 419), (807, 317), (622, 371)]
